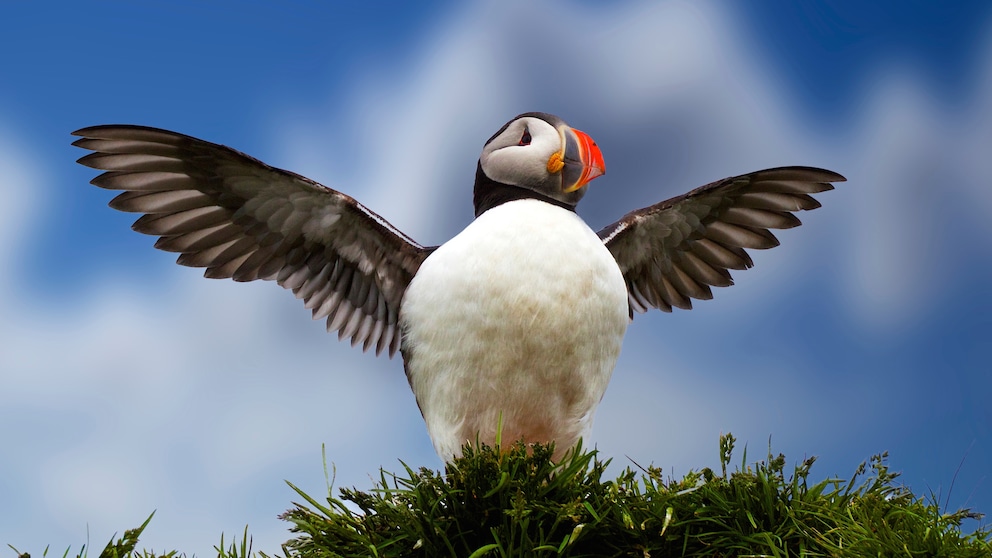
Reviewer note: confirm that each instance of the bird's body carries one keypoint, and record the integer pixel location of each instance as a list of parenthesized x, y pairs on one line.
[(524, 310), (515, 324)]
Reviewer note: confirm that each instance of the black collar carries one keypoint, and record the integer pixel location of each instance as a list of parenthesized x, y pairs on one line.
[(488, 194)]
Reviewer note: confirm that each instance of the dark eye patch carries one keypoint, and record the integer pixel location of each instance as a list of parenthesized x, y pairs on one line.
[(525, 139)]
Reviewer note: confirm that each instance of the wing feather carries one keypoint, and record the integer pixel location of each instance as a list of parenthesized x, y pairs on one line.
[(240, 218), (675, 250)]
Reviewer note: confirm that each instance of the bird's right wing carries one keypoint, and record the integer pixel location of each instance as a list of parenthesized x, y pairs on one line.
[(675, 250), (242, 219)]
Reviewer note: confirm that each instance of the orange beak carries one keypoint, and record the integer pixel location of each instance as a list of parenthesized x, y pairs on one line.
[(583, 160)]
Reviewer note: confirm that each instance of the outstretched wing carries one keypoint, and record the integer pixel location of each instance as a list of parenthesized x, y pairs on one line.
[(674, 251), (240, 218)]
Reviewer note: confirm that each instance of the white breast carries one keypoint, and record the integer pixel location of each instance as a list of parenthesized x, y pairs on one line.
[(517, 319)]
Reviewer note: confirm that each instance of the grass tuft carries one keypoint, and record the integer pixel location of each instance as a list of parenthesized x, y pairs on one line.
[(518, 502)]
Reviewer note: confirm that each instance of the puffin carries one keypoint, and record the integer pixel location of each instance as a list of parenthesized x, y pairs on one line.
[(509, 331)]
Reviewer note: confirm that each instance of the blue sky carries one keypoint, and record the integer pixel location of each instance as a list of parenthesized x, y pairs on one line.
[(130, 384)]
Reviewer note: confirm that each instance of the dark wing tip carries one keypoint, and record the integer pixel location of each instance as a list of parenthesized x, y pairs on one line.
[(91, 160), (831, 176), (134, 132), (108, 131), (806, 174)]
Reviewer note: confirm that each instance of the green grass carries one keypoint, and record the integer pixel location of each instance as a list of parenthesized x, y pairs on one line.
[(519, 503)]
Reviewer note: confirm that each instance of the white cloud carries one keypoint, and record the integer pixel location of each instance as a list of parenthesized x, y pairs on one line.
[(923, 174), (187, 399), (901, 163), (17, 173)]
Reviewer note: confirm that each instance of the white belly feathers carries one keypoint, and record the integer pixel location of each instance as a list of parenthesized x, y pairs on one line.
[(520, 317)]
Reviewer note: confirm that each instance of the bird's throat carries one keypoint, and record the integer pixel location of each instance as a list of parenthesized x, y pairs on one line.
[(488, 194)]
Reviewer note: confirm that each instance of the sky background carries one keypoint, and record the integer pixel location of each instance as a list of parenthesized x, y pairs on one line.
[(129, 384)]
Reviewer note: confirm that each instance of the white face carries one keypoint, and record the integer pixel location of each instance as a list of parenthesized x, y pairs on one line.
[(519, 156)]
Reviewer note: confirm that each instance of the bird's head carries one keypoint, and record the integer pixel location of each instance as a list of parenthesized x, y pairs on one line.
[(536, 155)]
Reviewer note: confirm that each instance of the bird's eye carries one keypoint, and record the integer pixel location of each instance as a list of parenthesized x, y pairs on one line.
[(525, 139)]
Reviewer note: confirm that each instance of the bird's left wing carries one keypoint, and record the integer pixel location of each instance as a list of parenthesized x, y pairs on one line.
[(242, 219), (674, 251)]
